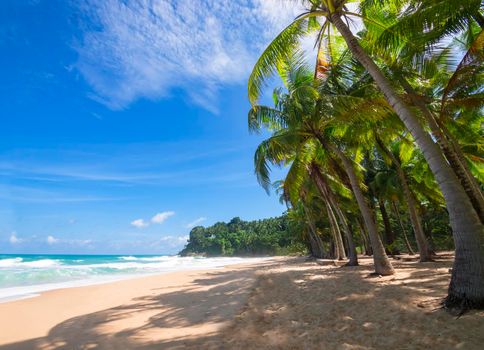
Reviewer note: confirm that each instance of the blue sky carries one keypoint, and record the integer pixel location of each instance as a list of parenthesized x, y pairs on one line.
[(124, 123)]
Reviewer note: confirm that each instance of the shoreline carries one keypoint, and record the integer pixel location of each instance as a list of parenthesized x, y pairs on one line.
[(34, 323), (22, 292)]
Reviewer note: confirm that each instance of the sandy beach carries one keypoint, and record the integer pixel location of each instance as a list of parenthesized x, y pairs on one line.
[(145, 312), (284, 303)]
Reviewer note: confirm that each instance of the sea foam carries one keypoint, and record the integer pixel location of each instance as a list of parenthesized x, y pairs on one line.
[(27, 276)]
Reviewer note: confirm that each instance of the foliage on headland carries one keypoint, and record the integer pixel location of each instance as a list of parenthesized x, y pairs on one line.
[(273, 236)]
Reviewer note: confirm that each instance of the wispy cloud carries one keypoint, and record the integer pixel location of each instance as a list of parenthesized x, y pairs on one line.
[(51, 240), (29, 194), (80, 242), (158, 218), (161, 217), (14, 239), (75, 242), (146, 49), (196, 222), (146, 163), (170, 241), (139, 223), (166, 243)]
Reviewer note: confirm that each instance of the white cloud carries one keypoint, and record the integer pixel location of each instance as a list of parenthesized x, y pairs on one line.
[(80, 242), (157, 219), (139, 223), (196, 222), (161, 217), (52, 240), (142, 49), (170, 241), (14, 239)]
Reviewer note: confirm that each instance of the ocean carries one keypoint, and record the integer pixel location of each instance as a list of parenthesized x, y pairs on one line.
[(25, 276)]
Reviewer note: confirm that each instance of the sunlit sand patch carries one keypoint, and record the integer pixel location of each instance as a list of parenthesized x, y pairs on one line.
[(328, 307)]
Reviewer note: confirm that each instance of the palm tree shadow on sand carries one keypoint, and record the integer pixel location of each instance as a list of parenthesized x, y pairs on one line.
[(295, 305), (164, 320)]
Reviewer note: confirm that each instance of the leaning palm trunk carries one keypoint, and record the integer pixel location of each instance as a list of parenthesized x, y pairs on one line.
[(364, 237), (349, 236), (314, 239), (353, 253), (451, 150), (316, 249), (380, 258), (334, 244), (463, 172), (389, 236), (404, 231), (326, 192), (423, 247), (338, 240), (466, 287)]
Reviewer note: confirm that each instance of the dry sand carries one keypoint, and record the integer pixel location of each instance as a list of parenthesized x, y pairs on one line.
[(156, 312), (301, 305), (286, 303)]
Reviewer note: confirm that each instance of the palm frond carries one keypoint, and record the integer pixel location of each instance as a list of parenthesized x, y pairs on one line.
[(263, 116), (281, 49)]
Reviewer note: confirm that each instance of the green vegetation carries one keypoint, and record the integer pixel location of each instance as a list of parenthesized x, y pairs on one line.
[(381, 135), (274, 236)]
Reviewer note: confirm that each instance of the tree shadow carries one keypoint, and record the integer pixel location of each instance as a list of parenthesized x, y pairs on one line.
[(191, 316), (342, 309), (292, 304)]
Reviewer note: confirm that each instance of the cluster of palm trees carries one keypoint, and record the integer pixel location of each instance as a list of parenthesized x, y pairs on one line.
[(389, 118)]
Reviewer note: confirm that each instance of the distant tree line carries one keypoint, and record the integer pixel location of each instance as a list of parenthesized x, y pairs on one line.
[(287, 234), (273, 236)]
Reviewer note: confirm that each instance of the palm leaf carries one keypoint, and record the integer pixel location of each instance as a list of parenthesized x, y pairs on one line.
[(281, 49)]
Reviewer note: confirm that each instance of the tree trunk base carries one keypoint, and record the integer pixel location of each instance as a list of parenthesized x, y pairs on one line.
[(426, 259), (458, 306)]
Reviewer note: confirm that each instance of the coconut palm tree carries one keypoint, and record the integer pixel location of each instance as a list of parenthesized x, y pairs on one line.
[(467, 282), (298, 115), (442, 91), (424, 251)]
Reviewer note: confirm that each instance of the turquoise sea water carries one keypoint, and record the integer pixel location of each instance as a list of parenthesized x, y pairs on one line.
[(24, 276)]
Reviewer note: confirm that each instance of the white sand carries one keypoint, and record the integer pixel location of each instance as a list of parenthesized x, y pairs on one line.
[(285, 303)]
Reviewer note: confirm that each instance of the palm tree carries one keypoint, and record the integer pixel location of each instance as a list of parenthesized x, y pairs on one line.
[(443, 93), (424, 251), (363, 133), (321, 182), (317, 246), (298, 117), (389, 235), (467, 282)]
